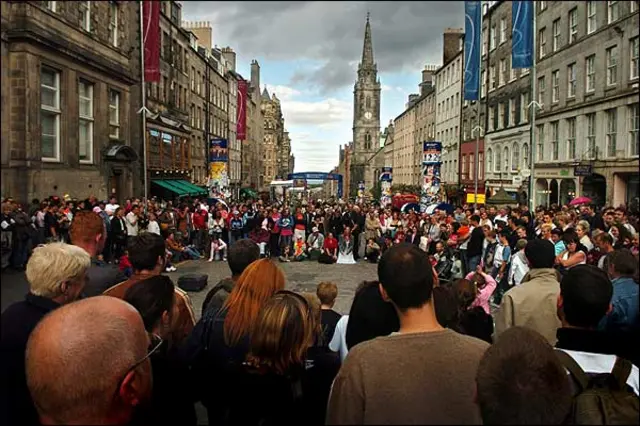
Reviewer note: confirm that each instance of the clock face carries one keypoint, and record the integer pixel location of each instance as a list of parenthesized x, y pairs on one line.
[(368, 115)]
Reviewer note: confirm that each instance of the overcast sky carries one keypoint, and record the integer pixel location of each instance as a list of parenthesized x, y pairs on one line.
[(309, 51)]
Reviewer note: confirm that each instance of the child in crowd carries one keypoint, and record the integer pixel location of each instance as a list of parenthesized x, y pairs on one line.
[(299, 249), (285, 253), (218, 248), (125, 265), (327, 292)]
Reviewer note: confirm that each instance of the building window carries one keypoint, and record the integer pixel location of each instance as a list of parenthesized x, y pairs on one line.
[(114, 114), (612, 65), (498, 161), (465, 164), (634, 6), (193, 115), (491, 119), (524, 107), (633, 49), (634, 126), (483, 84), (175, 13), (84, 8), (590, 72), (573, 25), (502, 118), (472, 166), (503, 30), (512, 112), (193, 79), (591, 135), (493, 38), (506, 159), (485, 41), (571, 138), (543, 5), (492, 77), (555, 86), (542, 42), (571, 80), (113, 23), (525, 156), (515, 156), (541, 90), (555, 28), (540, 147), (612, 11), (554, 141), (503, 72), (50, 114), (592, 23), (51, 5), (85, 127), (489, 160), (612, 127)]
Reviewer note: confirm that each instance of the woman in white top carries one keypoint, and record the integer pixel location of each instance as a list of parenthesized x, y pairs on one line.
[(575, 253), (152, 226), (345, 248), (583, 233)]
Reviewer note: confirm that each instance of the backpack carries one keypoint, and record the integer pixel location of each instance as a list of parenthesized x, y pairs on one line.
[(601, 399)]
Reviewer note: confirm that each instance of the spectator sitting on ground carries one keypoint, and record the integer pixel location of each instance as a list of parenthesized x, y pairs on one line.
[(434, 385), (533, 303), (56, 273), (107, 338), (173, 398), (622, 268), (327, 293), (148, 258), (218, 249), (372, 251), (299, 249), (88, 232), (585, 298), (315, 244), (521, 381), (240, 255)]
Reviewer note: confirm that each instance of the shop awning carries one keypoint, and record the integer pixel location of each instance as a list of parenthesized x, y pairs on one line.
[(171, 187), (190, 188)]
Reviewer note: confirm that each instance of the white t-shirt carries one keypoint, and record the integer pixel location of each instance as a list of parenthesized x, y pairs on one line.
[(111, 208), (132, 224), (153, 227), (464, 245), (602, 363), (339, 340)]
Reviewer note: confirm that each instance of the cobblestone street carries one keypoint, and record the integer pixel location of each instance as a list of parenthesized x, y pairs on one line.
[(301, 276)]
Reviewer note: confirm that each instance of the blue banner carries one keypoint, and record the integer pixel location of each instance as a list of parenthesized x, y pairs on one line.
[(431, 152), (522, 37), (218, 152), (472, 32)]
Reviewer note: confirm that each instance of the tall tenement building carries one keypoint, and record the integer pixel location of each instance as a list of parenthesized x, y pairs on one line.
[(70, 96)]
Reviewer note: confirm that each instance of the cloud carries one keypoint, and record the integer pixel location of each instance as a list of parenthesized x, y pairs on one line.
[(284, 93), (406, 35), (328, 112)]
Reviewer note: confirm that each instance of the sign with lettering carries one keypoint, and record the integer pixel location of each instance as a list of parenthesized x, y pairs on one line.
[(583, 170)]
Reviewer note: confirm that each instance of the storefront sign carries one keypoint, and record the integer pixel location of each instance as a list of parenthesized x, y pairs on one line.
[(472, 199), (585, 170), (553, 173), (516, 180)]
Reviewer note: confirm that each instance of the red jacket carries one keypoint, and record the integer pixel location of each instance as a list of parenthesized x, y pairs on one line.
[(124, 263), (200, 220)]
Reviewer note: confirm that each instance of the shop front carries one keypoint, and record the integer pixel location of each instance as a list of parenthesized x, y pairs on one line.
[(555, 186)]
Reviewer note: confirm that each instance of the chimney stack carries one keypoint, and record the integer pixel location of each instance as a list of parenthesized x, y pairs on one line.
[(451, 43)]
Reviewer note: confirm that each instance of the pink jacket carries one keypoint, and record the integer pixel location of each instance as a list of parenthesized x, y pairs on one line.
[(484, 293)]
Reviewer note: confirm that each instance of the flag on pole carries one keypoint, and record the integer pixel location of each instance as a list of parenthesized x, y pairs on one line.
[(473, 29), (522, 37), (241, 126), (151, 40)]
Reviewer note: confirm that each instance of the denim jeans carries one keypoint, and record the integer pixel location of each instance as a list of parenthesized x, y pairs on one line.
[(473, 263), (285, 240), (192, 252)]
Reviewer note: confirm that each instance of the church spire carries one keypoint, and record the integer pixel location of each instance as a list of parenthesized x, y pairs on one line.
[(367, 50)]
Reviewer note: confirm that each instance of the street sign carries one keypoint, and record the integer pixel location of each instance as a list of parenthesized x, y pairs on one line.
[(525, 173), (516, 180), (472, 199), (583, 170)]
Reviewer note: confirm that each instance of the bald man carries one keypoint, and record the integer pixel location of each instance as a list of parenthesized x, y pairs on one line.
[(87, 363)]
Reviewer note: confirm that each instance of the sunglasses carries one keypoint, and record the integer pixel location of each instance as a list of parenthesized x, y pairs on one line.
[(155, 342)]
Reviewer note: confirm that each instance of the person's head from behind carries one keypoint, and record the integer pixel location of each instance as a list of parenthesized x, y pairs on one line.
[(327, 292), (370, 315), (282, 333), (316, 311), (147, 252), (466, 292), (241, 254), (58, 271), (257, 284), (540, 254), (106, 337), (621, 263), (154, 298), (89, 232), (520, 381), (406, 277), (585, 297)]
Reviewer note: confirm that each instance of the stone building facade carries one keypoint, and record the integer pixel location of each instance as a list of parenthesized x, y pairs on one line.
[(587, 77), (235, 146), (252, 160), (403, 147), (198, 94), (69, 99), (273, 135)]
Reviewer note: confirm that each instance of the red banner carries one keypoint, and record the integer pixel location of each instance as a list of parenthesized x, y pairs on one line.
[(241, 129), (151, 40)]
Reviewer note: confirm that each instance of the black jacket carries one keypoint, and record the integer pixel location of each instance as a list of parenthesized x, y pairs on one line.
[(474, 248), (102, 277), (118, 229), (17, 323)]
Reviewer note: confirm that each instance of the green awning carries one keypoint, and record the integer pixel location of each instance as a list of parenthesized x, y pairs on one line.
[(191, 189), (170, 186)]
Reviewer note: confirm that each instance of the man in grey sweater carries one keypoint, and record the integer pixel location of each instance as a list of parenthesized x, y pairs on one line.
[(423, 374)]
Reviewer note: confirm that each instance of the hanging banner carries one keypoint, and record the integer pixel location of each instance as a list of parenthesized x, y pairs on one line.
[(151, 40), (218, 150), (472, 33), (431, 152), (218, 157), (241, 128), (386, 178), (431, 162), (361, 189), (522, 34)]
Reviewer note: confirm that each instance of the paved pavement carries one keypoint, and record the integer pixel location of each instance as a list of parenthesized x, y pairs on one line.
[(301, 276)]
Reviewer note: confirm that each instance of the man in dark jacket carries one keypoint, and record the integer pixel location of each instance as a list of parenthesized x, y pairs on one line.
[(22, 237), (474, 248), (57, 274)]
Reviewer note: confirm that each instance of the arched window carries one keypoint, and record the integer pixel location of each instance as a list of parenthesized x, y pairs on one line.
[(506, 159), (368, 103), (525, 156), (515, 156), (498, 161), (489, 160), (367, 141)]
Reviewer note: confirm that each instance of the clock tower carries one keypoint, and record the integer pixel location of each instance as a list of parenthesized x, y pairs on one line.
[(366, 116)]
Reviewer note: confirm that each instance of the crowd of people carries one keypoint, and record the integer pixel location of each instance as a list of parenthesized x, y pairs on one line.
[(494, 316)]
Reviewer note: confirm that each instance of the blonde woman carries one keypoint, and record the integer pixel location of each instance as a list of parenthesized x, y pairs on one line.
[(583, 233)]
